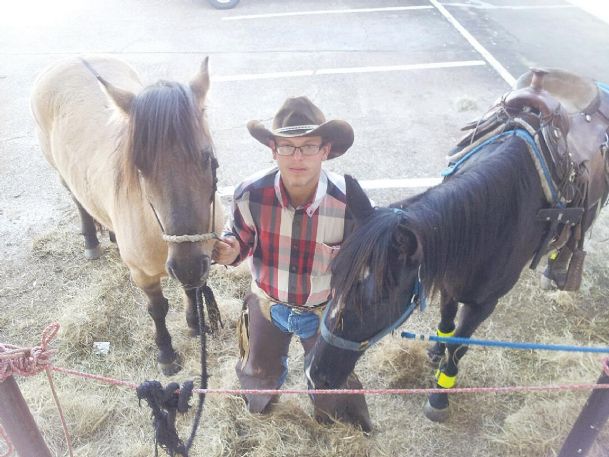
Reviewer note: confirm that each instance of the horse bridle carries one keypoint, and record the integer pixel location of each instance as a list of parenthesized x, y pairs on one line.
[(195, 238), (417, 299)]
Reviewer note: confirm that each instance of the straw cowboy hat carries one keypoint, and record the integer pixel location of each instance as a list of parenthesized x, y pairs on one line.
[(300, 117)]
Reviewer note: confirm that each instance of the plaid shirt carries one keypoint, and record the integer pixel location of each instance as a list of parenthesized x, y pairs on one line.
[(290, 249)]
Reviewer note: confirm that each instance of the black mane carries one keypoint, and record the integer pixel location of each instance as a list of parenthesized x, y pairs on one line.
[(457, 223)]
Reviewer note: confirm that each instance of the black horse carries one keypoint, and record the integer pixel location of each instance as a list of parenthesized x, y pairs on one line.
[(468, 238)]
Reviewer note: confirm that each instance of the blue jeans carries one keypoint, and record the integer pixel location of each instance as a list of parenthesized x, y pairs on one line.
[(303, 324)]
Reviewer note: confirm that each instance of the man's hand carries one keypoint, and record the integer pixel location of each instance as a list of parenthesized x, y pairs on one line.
[(226, 250)]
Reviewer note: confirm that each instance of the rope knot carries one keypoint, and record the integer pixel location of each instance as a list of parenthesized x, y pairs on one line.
[(27, 361)]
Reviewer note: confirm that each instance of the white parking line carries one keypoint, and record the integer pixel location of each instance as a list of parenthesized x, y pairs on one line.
[(475, 44), (371, 184), (345, 70), (324, 12), (488, 6)]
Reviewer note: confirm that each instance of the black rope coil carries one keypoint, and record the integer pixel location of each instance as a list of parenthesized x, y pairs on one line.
[(165, 403)]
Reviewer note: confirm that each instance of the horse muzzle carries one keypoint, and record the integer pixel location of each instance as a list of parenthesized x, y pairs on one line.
[(328, 367), (190, 271)]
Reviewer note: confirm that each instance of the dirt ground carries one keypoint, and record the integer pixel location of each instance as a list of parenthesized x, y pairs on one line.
[(95, 301)]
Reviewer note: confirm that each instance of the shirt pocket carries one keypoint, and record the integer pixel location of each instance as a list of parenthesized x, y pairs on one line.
[(324, 254)]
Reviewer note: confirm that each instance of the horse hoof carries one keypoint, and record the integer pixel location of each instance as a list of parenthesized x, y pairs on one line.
[(169, 369), (93, 253), (193, 332), (435, 414), (546, 283)]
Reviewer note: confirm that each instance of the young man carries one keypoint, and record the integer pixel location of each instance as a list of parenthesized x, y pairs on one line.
[(290, 222)]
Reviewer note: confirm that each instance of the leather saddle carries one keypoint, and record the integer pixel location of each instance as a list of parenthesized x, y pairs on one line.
[(568, 116)]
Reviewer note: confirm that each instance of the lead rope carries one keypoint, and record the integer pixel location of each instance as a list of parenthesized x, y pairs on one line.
[(204, 376), (166, 402)]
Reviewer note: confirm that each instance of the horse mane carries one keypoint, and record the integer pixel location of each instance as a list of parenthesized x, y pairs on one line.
[(457, 223), (164, 129), (366, 252)]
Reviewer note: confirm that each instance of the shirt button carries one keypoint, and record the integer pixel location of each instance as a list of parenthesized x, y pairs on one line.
[(295, 246), (293, 269)]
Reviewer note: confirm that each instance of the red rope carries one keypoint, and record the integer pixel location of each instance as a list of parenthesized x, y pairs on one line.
[(456, 390), (8, 443), (24, 361), (28, 362)]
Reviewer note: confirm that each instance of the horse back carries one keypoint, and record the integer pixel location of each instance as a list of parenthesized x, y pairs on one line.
[(80, 129)]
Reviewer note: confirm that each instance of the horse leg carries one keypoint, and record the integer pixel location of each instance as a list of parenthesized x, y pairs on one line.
[(192, 318), (470, 319), (112, 236), (556, 271), (158, 306), (446, 327), (89, 231), (88, 228)]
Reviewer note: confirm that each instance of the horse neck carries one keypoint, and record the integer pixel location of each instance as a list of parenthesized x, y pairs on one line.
[(464, 220)]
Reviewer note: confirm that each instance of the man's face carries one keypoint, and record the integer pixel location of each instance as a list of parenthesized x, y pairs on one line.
[(300, 171)]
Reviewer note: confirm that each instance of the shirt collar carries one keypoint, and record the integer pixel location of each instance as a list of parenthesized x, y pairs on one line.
[(311, 207)]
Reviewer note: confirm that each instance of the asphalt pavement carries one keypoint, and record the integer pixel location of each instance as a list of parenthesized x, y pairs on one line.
[(406, 74)]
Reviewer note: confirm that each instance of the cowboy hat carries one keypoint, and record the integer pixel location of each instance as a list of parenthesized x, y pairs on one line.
[(300, 117)]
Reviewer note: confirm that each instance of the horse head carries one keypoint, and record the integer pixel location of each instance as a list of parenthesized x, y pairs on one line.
[(169, 161), (374, 283)]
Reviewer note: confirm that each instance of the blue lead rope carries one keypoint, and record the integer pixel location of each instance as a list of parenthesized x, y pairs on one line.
[(504, 344)]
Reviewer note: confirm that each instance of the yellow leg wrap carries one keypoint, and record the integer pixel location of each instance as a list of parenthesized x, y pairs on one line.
[(444, 335), (553, 255), (444, 380)]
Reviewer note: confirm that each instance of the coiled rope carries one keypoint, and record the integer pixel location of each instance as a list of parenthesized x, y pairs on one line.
[(31, 361)]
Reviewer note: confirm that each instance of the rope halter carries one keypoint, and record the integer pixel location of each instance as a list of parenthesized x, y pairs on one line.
[(191, 238)]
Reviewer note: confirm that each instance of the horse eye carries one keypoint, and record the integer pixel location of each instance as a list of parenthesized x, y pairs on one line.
[(208, 152)]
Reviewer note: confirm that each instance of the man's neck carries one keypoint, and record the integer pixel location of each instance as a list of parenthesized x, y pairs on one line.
[(300, 197)]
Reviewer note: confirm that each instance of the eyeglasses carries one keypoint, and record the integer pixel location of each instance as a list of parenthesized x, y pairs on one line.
[(306, 150)]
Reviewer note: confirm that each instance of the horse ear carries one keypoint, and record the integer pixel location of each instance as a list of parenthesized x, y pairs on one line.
[(121, 98), (408, 245), (200, 83), (357, 200)]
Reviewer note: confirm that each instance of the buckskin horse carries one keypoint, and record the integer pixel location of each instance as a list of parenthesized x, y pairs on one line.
[(528, 179), (139, 161)]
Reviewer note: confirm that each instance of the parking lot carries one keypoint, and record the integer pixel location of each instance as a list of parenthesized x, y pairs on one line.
[(406, 74)]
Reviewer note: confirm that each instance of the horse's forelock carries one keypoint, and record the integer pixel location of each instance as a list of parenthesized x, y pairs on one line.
[(164, 125)]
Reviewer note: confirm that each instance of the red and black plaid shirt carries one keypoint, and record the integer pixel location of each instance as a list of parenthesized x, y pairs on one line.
[(290, 249)]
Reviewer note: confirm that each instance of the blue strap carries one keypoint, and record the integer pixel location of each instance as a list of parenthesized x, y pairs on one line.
[(356, 346), (526, 136), (418, 299)]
